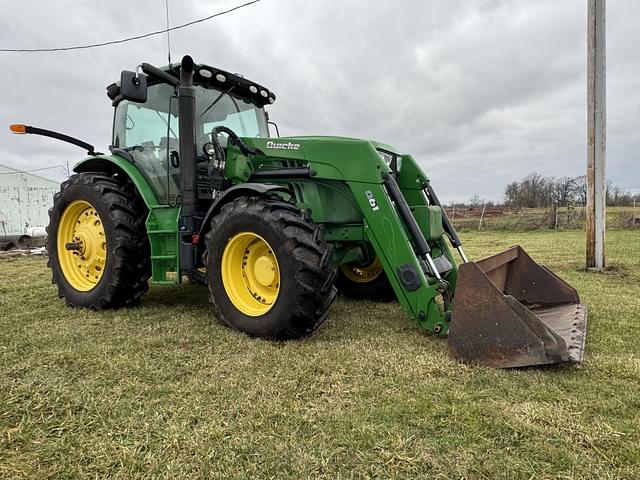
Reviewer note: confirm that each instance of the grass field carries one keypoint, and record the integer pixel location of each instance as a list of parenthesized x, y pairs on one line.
[(165, 391)]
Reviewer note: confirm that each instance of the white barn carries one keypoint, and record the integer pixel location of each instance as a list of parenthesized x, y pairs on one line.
[(25, 200)]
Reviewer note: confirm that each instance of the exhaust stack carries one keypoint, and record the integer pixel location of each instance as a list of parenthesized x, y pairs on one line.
[(186, 108)]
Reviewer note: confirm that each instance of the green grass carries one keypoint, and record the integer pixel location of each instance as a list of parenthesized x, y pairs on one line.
[(165, 391)]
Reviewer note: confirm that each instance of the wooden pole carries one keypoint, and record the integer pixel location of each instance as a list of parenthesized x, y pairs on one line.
[(596, 134), (482, 216)]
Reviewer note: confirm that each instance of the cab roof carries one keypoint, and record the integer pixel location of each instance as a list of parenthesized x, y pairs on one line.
[(211, 77)]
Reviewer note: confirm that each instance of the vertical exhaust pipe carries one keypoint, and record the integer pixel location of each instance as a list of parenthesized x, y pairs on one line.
[(186, 109)]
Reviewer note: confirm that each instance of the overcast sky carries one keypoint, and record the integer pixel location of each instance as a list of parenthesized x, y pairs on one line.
[(480, 92)]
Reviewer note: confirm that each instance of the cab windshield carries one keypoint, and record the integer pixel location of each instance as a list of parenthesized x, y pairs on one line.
[(215, 108), (149, 131)]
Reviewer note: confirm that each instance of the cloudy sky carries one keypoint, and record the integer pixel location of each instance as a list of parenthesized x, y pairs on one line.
[(481, 92)]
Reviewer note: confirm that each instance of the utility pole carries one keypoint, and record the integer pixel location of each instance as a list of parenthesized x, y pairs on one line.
[(596, 134)]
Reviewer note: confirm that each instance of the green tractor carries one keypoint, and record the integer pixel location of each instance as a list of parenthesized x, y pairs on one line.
[(195, 187)]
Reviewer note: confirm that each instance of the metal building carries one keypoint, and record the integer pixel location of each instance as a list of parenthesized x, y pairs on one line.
[(25, 200)]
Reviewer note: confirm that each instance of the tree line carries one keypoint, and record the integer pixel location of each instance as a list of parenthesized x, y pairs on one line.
[(536, 191)]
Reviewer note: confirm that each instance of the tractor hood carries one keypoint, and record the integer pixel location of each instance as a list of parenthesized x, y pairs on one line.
[(333, 140), (341, 158), (299, 143)]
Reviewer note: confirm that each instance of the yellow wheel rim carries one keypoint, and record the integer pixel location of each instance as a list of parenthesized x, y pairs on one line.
[(362, 274), (81, 245), (250, 274)]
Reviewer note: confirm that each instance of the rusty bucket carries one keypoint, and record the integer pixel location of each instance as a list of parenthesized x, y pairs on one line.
[(509, 311)]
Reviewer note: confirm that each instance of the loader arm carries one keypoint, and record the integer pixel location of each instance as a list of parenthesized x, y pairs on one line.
[(407, 234), (416, 286)]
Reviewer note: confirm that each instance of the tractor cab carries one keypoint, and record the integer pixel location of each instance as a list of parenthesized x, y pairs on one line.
[(146, 127)]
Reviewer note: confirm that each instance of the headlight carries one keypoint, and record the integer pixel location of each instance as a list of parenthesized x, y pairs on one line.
[(393, 160), (209, 149), (386, 156)]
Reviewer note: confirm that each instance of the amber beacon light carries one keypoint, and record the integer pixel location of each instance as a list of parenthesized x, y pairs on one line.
[(18, 128)]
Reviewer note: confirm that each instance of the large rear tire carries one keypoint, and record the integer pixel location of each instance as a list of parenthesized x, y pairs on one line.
[(98, 247), (365, 282), (270, 270)]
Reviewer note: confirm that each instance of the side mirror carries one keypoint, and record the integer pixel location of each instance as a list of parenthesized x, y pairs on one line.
[(133, 87)]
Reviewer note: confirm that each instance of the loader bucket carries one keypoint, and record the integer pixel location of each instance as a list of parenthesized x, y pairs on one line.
[(508, 311)]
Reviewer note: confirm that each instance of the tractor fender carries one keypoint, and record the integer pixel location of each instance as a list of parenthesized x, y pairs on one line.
[(117, 164), (234, 192)]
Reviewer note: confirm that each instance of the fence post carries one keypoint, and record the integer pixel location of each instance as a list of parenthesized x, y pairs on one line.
[(482, 216)]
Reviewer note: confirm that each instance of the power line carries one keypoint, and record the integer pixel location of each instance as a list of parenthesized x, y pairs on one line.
[(129, 39), (17, 172)]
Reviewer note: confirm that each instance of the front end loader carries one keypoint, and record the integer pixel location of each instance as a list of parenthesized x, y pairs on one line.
[(195, 187)]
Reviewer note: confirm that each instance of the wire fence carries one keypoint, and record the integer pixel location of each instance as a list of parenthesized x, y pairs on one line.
[(558, 218)]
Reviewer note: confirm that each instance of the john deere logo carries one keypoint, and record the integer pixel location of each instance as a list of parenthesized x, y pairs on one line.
[(283, 146)]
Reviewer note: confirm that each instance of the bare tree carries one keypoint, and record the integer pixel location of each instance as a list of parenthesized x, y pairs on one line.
[(564, 190), (475, 201), (511, 194), (535, 190), (618, 196), (580, 190)]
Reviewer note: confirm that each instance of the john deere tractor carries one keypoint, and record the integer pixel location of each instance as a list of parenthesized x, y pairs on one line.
[(195, 187)]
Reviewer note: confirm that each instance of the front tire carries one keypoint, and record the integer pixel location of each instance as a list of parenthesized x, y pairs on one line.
[(270, 269), (98, 247)]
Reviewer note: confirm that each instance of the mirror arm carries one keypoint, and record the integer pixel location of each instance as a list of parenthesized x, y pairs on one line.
[(159, 74)]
